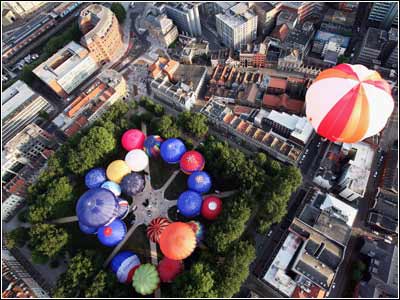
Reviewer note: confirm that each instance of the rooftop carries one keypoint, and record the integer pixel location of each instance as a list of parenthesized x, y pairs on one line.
[(325, 37), (283, 102), (237, 15), (339, 17), (386, 203), (374, 38), (100, 18), (190, 75), (14, 97)]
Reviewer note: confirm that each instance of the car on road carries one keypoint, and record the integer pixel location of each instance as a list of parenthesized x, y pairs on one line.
[(269, 233), (376, 174), (375, 232)]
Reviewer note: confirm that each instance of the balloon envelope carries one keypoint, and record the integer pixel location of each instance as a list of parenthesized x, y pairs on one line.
[(348, 103), (95, 178), (156, 227), (110, 235), (192, 161), (87, 229), (123, 208), (137, 160), (152, 145), (124, 265), (211, 208), (168, 269), (132, 184), (198, 230), (172, 150), (189, 204), (96, 207), (112, 187), (133, 139), (146, 279), (199, 182), (177, 241), (117, 170)]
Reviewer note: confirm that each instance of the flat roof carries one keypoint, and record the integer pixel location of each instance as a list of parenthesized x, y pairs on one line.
[(325, 36), (236, 15), (15, 96), (339, 209)]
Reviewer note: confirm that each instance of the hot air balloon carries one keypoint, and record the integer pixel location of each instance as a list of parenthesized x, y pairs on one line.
[(199, 182), (112, 187), (189, 204), (133, 139), (123, 208), (137, 160), (192, 161), (117, 170), (146, 279), (124, 265), (172, 150), (156, 227), (198, 230), (96, 207), (168, 269), (211, 208), (110, 235), (95, 178), (152, 145), (132, 184), (348, 103), (87, 229), (177, 241)]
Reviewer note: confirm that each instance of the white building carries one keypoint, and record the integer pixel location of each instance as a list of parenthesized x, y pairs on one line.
[(22, 8), (237, 26), (67, 69), (163, 30), (354, 179), (10, 205), (20, 106), (185, 15)]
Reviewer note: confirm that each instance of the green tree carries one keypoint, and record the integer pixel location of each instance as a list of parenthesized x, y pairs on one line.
[(17, 237), (48, 239), (119, 11), (167, 127), (99, 285), (198, 282), (193, 123)]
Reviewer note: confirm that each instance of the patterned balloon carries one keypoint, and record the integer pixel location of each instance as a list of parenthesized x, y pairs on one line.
[(156, 227), (124, 265), (192, 161), (152, 145), (168, 269), (146, 279), (123, 208), (132, 184), (198, 229)]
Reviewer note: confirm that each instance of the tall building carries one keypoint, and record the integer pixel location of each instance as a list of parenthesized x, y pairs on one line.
[(67, 69), (162, 29), (185, 16), (385, 14), (371, 46), (22, 8), (102, 35), (237, 26), (20, 106)]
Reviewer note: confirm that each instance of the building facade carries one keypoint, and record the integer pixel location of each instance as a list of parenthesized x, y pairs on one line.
[(102, 35), (385, 14), (20, 107), (237, 26)]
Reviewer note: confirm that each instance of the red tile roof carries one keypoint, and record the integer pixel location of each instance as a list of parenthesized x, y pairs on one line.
[(283, 102), (315, 292), (277, 83), (280, 32)]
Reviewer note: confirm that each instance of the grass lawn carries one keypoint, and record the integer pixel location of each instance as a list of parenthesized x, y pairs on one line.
[(160, 171)]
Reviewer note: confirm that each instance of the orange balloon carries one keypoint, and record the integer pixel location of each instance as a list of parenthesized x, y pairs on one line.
[(177, 241)]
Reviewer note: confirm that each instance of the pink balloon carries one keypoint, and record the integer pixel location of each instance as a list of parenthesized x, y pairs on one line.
[(133, 139)]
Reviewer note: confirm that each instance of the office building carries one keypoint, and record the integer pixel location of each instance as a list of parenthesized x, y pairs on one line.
[(9, 205), (354, 178), (193, 49), (102, 35), (327, 41), (339, 22), (371, 46), (162, 29), (384, 14), (237, 26), (383, 270), (299, 39), (20, 106), (254, 55), (108, 87), (67, 69), (312, 11), (185, 16)]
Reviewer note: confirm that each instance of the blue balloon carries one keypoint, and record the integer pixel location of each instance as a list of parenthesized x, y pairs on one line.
[(87, 229), (110, 235), (123, 208), (95, 178), (113, 187), (132, 184), (172, 150), (96, 207), (199, 182), (118, 259), (189, 204)]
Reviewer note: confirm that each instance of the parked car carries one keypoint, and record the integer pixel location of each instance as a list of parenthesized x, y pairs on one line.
[(269, 233)]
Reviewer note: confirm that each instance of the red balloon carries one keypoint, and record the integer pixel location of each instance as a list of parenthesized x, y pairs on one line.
[(211, 208), (168, 269), (192, 161), (133, 139), (156, 227), (177, 241)]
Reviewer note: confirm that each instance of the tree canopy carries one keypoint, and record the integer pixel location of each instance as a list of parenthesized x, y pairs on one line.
[(119, 11), (48, 239)]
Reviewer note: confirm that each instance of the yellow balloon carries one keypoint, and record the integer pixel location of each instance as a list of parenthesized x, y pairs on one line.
[(117, 170)]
